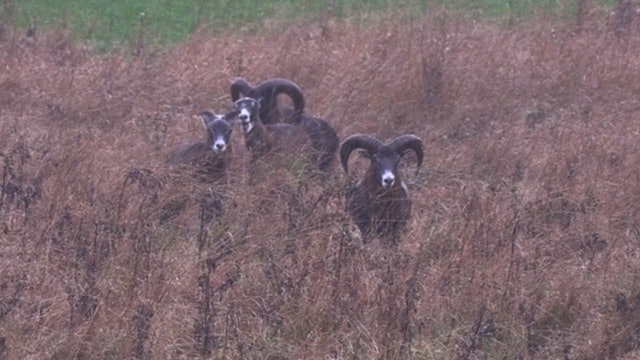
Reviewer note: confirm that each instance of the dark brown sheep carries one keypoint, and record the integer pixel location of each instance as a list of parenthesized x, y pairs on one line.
[(314, 136), (209, 157), (380, 204)]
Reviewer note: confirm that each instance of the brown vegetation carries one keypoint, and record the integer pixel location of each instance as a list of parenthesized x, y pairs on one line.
[(525, 231)]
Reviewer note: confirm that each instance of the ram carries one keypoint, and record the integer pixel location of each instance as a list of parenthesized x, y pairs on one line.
[(380, 204), (267, 92), (210, 157), (313, 134)]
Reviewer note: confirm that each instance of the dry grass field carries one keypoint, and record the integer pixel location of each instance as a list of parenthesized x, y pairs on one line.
[(525, 236)]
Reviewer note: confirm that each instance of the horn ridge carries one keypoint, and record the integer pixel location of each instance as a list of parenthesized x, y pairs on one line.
[(279, 86), (239, 86), (357, 141), (409, 142)]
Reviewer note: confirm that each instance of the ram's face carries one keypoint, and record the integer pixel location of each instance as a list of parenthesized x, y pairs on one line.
[(219, 129), (219, 136), (247, 109), (385, 165)]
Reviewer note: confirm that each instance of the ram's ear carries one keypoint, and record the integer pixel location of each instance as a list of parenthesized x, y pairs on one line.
[(260, 102), (207, 117)]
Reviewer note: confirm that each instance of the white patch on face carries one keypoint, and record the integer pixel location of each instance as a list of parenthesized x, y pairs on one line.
[(404, 187), (247, 127), (387, 179), (219, 146), (245, 117)]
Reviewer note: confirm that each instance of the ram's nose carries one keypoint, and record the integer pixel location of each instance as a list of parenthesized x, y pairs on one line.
[(387, 179)]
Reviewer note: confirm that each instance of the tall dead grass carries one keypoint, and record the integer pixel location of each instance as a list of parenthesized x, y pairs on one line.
[(523, 242)]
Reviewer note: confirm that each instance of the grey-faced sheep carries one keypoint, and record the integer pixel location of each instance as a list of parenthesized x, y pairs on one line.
[(207, 161), (267, 93), (380, 204), (314, 135), (208, 157)]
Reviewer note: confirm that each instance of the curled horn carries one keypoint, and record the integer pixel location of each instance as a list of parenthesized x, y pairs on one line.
[(268, 91), (406, 142), (289, 88), (239, 86), (358, 141)]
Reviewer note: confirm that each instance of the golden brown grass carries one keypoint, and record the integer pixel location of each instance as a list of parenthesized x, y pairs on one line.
[(523, 243)]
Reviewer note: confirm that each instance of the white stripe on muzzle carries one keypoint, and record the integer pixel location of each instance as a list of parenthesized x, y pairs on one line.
[(388, 178)]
